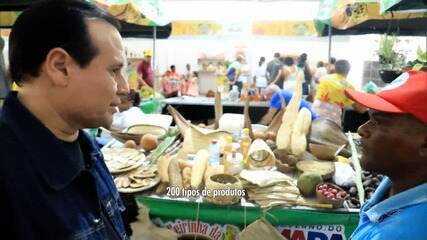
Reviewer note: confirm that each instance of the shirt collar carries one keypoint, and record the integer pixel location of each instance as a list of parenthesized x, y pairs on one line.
[(379, 208), (47, 152)]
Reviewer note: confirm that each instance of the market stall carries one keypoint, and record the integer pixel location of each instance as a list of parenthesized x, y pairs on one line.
[(299, 177)]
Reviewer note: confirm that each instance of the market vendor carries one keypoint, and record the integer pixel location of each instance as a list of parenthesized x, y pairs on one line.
[(394, 143), (330, 98), (273, 93), (129, 112), (53, 180), (145, 71)]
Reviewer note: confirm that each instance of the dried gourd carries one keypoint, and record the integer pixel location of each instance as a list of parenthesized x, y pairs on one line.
[(162, 167), (183, 164), (175, 178), (300, 131), (283, 139), (199, 167), (186, 177)]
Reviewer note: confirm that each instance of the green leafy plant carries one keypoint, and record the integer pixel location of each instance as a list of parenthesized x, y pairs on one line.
[(421, 59), (389, 57)]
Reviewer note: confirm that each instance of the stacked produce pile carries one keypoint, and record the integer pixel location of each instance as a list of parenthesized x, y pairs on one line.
[(300, 158), (130, 163), (370, 183), (270, 188)]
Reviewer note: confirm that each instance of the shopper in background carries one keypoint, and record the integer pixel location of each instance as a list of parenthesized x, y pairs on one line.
[(259, 79), (331, 65), (53, 179), (330, 97), (320, 71), (394, 143), (188, 73), (170, 85), (272, 93), (303, 65), (273, 68), (129, 111), (287, 77), (173, 74), (145, 71), (233, 72)]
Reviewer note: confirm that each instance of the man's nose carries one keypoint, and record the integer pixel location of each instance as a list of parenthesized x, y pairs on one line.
[(363, 130), (122, 85)]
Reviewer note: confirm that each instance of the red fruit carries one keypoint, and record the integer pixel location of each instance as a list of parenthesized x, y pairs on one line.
[(334, 191), (330, 195)]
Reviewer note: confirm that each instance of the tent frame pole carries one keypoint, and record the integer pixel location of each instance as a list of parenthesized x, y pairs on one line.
[(329, 42), (156, 82)]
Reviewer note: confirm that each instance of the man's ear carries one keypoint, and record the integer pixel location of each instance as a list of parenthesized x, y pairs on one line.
[(57, 66)]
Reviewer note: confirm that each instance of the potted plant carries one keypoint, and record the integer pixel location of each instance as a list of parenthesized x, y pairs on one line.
[(391, 60), (419, 64)]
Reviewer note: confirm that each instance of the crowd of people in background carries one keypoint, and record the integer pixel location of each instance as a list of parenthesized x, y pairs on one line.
[(323, 85)]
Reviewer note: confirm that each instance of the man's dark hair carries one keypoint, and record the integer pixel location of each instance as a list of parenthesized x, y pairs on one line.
[(277, 55), (172, 67), (289, 61), (332, 60), (261, 61), (342, 67), (302, 59), (49, 24)]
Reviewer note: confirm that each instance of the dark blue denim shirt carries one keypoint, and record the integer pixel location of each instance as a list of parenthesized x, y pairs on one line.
[(44, 194)]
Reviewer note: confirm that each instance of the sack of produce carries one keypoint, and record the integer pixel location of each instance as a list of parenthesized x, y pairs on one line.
[(261, 229)]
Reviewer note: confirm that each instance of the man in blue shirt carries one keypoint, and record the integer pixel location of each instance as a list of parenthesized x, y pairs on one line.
[(273, 93), (394, 143), (67, 56)]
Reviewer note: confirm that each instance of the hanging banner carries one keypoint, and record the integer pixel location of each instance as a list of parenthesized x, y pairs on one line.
[(7, 18), (313, 232), (189, 229), (141, 12), (226, 222), (195, 28), (344, 14), (283, 28), (257, 28)]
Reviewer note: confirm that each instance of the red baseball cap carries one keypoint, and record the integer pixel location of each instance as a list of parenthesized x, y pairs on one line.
[(406, 94)]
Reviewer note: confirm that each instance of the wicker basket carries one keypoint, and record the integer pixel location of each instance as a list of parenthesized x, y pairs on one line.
[(219, 183)]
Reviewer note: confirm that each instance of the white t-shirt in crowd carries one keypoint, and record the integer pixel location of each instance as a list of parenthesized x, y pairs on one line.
[(259, 73)]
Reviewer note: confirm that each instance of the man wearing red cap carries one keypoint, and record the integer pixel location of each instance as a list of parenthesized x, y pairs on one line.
[(394, 143)]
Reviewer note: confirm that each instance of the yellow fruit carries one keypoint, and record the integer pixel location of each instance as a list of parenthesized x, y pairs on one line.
[(148, 142), (130, 144)]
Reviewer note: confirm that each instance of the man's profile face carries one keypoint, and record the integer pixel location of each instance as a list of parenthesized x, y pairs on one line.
[(98, 86), (388, 141)]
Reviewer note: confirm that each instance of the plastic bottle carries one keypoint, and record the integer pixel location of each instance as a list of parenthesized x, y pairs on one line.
[(245, 143), (214, 153), (228, 148), (234, 163)]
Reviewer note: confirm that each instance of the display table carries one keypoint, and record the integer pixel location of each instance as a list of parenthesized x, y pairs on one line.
[(225, 222), (202, 108)]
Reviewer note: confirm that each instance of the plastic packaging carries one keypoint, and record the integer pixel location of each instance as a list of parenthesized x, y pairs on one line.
[(245, 143), (214, 153), (234, 163)]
